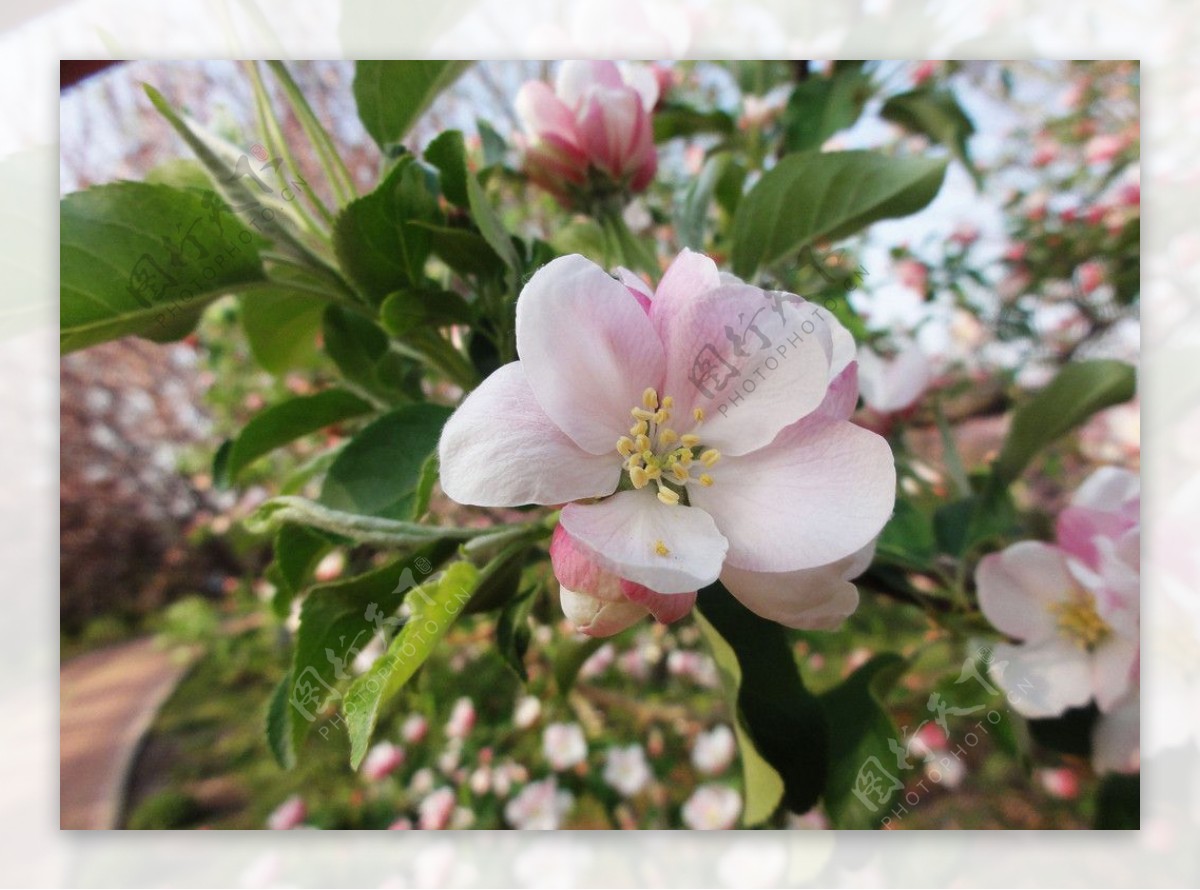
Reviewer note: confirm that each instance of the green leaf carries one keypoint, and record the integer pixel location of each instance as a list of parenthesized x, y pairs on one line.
[(391, 95), (297, 552), (136, 257), (360, 349), (673, 120), (378, 472), (513, 633), (861, 729), (908, 538), (822, 106), (336, 622), (279, 727), (570, 657), (435, 606), (935, 113), (495, 148), (448, 153), (464, 251), (282, 327), (1078, 391), (1119, 803), (430, 472), (692, 215), (780, 726), (490, 226), (405, 311), (375, 237), (363, 529), (280, 424), (811, 196)]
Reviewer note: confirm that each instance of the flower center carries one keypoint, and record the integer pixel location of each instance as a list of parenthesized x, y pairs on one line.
[(654, 452), (1079, 621)]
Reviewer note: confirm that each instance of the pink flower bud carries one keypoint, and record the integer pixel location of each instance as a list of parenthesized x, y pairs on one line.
[(1103, 149), (1089, 276), (462, 719), (597, 118), (288, 814), (382, 760)]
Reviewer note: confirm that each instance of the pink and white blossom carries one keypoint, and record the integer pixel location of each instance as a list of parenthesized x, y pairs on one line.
[(288, 815), (740, 463), (713, 751), (540, 806), (414, 729), (434, 812), (712, 808), (527, 712), (564, 745), (626, 769), (596, 120), (382, 760), (1073, 607), (892, 384), (462, 719)]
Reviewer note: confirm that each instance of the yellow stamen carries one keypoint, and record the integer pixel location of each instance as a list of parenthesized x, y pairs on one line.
[(661, 416), (642, 444), (667, 436), (698, 413), (661, 549), (635, 460), (668, 402), (642, 414), (679, 472), (668, 497), (638, 477), (639, 429), (706, 480), (1080, 622), (653, 472), (650, 399), (625, 446), (689, 440), (710, 457), (685, 459)]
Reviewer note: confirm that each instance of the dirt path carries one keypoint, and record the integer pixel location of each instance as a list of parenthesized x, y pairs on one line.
[(108, 700)]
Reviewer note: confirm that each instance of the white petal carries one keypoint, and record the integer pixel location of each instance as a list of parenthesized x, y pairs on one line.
[(1117, 738), (576, 79), (810, 599), (1018, 585), (499, 449), (1113, 670), (626, 529), (598, 618), (588, 349), (1110, 489), (818, 493), (642, 79), (1043, 679), (689, 275)]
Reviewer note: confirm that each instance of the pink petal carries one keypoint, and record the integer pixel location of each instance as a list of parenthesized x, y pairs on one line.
[(810, 599), (542, 113), (625, 530), (576, 79), (499, 449), (575, 567), (689, 275), (588, 350), (609, 130), (752, 363), (642, 292), (665, 607), (1018, 585), (815, 495), (1113, 665), (1117, 738)]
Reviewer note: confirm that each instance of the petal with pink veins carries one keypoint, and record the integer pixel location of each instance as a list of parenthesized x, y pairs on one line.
[(576, 79), (752, 363), (669, 549), (665, 607), (689, 275), (1043, 679), (499, 449), (588, 350), (818, 493)]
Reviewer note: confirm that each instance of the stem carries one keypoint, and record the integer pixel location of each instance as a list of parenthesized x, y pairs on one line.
[(954, 464)]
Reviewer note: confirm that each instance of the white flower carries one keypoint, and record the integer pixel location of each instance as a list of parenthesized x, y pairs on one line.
[(626, 770), (713, 751), (527, 711), (712, 807), (540, 806), (435, 810), (564, 745), (890, 385)]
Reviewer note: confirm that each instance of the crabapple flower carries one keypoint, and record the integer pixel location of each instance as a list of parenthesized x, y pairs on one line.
[(414, 729), (564, 745), (527, 712), (591, 134), (540, 806), (713, 751), (891, 385), (288, 815), (712, 808), (626, 770), (462, 719), (434, 812), (1074, 606), (696, 432), (382, 760)]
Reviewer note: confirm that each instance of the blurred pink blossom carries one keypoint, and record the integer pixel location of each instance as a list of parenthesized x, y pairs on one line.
[(713, 751), (563, 745), (540, 806), (626, 770), (527, 712), (433, 813), (712, 807), (381, 760), (288, 814), (1104, 148), (1089, 276), (414, 729), (462, 719), (1060, 782)]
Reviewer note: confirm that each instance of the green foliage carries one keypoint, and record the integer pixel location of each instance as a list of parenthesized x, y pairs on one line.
[(138, 258), (1118, 803), (935, 113), (822, 106), (281, 326), (392, 95), (165, 810), (813, 196)]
